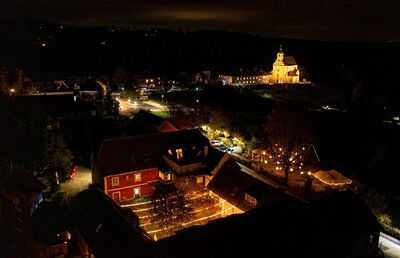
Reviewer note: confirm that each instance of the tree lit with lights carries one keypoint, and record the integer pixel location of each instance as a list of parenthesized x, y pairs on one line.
[(289, 134)]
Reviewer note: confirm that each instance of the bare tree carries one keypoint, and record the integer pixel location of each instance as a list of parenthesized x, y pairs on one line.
[(289, 135), (171, 207)]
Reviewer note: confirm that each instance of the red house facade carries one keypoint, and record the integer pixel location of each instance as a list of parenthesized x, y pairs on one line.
[(127, 168), (130, 185)]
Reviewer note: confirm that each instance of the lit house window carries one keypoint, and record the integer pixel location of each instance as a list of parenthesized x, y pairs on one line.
[(199, 180), (115, 181), (170, 152), (168, 177), (250, 199), (137, 191), (138, 177), (179, 154)]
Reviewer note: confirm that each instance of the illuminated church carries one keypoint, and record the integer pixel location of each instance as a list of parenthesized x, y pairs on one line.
[(284, 70)]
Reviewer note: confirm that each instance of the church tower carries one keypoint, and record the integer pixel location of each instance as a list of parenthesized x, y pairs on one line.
[(279, 57)]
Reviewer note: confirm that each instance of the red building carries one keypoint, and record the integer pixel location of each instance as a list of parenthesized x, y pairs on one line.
[(127, 186), (128, 167)]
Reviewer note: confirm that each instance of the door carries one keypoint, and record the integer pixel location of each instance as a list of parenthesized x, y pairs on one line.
[(136, 192), (116, 196)]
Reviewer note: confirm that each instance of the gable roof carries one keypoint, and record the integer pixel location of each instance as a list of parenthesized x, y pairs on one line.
[(289, 60), (106, 227), (231, 184), (144, 151), (24, 181), (144, 122)]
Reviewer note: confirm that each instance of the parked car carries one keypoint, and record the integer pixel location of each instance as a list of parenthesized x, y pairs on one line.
[(216, 143), (235, 149)]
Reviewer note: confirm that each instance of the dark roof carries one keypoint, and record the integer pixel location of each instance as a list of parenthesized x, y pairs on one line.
[(289, 60), (144, 122), (57, 105), (144, 151), (90, 85), (231, 184), (292, 73), (336, 226), (25, 182), (16, 236), (105, 227)]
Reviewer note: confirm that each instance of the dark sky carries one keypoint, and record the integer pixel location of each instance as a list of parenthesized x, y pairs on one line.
[(310, 19)]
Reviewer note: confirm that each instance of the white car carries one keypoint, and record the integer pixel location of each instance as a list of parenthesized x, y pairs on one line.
[(235, 149), (216, 143)]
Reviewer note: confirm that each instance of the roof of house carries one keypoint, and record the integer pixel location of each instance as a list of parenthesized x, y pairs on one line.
[(144, 122), (105, 227), (336, 226), (231, 184), (144, 151), (289, 60), (24, 181)]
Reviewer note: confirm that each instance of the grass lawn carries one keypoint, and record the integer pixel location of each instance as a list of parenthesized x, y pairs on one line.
[(163, 114)]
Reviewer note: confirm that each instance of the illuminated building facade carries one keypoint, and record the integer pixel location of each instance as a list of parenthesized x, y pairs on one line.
[(285, 70)]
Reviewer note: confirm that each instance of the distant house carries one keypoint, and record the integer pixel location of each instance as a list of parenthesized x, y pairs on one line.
[(128, 167), (239, 192), (23, 189), (145, 122)]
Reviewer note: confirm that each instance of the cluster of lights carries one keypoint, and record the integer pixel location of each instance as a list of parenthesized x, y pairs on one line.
[(191, 222)]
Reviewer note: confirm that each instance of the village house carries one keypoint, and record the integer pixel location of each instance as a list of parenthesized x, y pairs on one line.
[(129, 167), (240, 192), (145, 122), (23, 189)]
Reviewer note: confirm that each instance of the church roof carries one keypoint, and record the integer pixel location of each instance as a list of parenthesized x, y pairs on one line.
[(289, 60), (292, 73)]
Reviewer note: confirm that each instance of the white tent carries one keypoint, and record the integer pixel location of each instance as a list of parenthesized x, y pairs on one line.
[(332, 178)]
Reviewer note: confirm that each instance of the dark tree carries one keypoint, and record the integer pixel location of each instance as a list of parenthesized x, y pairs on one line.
[(29, 139), (219, 121), (289, 137)]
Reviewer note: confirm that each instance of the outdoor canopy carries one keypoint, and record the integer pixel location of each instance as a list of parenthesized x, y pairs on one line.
[(332, 177)]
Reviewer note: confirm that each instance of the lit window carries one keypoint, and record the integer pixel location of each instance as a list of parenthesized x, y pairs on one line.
[(250, 199), (126, 177), (138, 177), (137, 191), (170, 152), (168, 177), (199, 180), (115, 181), (179, 154)]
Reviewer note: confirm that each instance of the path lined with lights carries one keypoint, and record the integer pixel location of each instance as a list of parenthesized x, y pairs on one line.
[(191, 222), (193, 212)]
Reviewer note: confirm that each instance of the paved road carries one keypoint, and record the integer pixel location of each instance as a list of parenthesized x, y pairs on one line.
[(127, 108), (79, 183), (390, 246)]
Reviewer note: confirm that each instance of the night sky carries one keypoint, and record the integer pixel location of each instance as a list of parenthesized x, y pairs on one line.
[(313, 19)]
